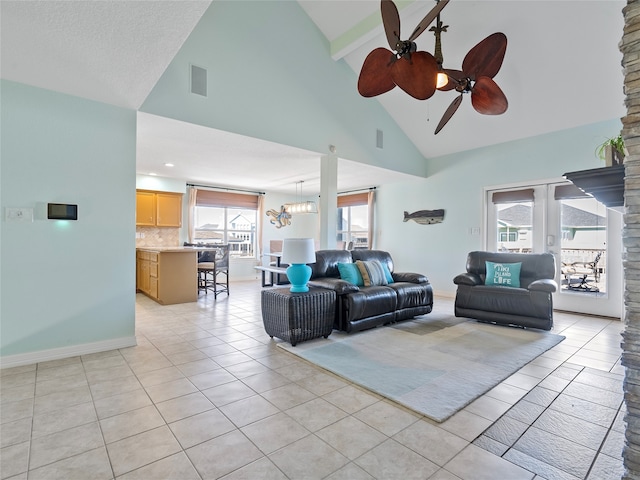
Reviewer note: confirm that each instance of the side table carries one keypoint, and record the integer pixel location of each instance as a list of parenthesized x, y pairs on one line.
[(295, 317)]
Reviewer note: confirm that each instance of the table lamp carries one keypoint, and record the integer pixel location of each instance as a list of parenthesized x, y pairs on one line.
[(297, 252)]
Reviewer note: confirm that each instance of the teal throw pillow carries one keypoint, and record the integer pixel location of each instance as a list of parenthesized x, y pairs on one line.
[(387, 273), (349, 272), (503, 274)]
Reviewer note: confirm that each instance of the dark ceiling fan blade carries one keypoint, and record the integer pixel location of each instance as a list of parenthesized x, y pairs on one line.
[(391, 22), (429, 17), (485, 59), (449, 113), (455, 76), (487, 97), (416, 76), (375, 75)]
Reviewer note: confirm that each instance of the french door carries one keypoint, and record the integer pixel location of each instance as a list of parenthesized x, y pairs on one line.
[(584, 236)]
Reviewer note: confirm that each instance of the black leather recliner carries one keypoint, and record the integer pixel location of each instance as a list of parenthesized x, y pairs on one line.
[(359, 308), (531, 305)]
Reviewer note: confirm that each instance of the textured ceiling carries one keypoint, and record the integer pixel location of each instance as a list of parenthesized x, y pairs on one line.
[(110, 51), (561, 70)]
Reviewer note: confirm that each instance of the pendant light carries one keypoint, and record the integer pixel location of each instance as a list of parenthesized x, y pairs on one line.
[(300, 206)]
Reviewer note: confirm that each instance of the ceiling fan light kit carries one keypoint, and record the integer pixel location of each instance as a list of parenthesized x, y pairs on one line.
[(420, 74)]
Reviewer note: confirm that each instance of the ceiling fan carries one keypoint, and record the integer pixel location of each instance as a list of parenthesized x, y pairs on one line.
[(413, 71), (479, 66), (420, 73)]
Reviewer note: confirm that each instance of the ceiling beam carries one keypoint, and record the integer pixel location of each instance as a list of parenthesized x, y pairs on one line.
[(367, 29)]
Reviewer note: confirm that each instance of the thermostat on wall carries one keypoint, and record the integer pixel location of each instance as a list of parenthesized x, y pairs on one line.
[(62, 211)]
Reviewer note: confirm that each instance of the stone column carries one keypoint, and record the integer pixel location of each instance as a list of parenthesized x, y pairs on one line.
[(630, 48)]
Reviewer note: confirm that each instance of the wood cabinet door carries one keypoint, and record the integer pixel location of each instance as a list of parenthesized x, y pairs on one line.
[(153, 287), (145, 208), (138, 275), (169, 209), (144, 276)]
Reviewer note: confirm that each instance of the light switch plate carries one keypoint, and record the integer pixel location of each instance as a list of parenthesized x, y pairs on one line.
[(18, 214)]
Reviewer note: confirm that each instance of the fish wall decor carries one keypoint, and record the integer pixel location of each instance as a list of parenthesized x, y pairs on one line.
[(280, 218), (425, 217)]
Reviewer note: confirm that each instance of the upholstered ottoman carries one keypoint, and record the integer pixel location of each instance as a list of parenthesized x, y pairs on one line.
[(295, 317)]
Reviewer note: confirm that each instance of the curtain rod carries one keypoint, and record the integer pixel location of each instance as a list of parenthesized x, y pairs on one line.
[(224, 188), (358, 190)]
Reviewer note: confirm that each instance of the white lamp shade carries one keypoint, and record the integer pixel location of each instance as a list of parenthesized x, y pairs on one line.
[(298, 250)]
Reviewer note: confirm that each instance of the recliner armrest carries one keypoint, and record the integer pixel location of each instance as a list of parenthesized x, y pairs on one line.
[(409, 277), (544, 285), (340, 286), (467, 278)]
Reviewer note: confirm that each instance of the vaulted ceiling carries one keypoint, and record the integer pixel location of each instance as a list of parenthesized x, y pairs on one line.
[(561, 70)]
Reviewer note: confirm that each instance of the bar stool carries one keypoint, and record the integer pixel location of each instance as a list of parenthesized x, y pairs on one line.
[(212, 264)]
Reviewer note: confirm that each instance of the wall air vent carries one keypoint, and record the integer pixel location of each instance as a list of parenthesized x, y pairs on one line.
[(379, 141), (198, 80)]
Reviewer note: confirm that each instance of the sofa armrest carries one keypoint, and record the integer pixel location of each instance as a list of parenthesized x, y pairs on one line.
[(338, 285), (409, 277), (467, 278), (544, 285)]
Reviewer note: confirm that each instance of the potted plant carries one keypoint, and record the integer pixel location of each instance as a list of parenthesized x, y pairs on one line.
[(612, 151)]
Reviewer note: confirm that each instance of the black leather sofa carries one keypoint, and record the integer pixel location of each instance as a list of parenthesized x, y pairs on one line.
[(530, 305), (360, 307)]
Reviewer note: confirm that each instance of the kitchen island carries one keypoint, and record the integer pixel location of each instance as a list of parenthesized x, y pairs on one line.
[(168, 275)]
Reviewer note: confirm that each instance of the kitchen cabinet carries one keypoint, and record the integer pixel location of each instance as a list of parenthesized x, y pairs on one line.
[(169, 209), (142, 272), (145, 208), (158, 209), (167, 275)]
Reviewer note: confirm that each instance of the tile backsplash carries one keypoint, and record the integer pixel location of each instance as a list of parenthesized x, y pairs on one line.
[(157, 237)]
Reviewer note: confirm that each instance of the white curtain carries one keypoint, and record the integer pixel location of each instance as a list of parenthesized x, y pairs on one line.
[(370, 204), (193, 192)]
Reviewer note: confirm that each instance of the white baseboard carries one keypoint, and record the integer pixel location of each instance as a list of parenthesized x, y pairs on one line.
[(19, 359), (447, 295)]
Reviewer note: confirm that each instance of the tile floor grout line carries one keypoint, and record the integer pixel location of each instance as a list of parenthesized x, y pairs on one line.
[(609, 429), (99, 424), (604, 440)]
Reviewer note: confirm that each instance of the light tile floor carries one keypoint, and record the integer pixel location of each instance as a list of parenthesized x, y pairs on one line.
[(207, 394)]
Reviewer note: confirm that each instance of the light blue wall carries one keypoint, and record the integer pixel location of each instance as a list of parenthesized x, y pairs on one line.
[(456, 184), (66, 283), (161, 184), (270, 76)]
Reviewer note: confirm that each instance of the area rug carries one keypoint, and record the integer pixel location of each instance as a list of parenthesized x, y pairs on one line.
[(435, 364)]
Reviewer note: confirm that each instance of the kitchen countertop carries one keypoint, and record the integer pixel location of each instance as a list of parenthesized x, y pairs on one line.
[(174, 249)]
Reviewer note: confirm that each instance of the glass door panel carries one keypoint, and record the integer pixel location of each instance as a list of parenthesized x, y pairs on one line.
[(583, 246), (514, 227), (586, 239)]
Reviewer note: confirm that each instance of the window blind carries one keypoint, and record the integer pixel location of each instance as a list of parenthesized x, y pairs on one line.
[(566, 192), (353, 200), (210, 198), (513, 196)]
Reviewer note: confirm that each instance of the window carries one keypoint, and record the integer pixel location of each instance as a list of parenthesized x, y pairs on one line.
[(227, 218), (508, 236), (353, 220)]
